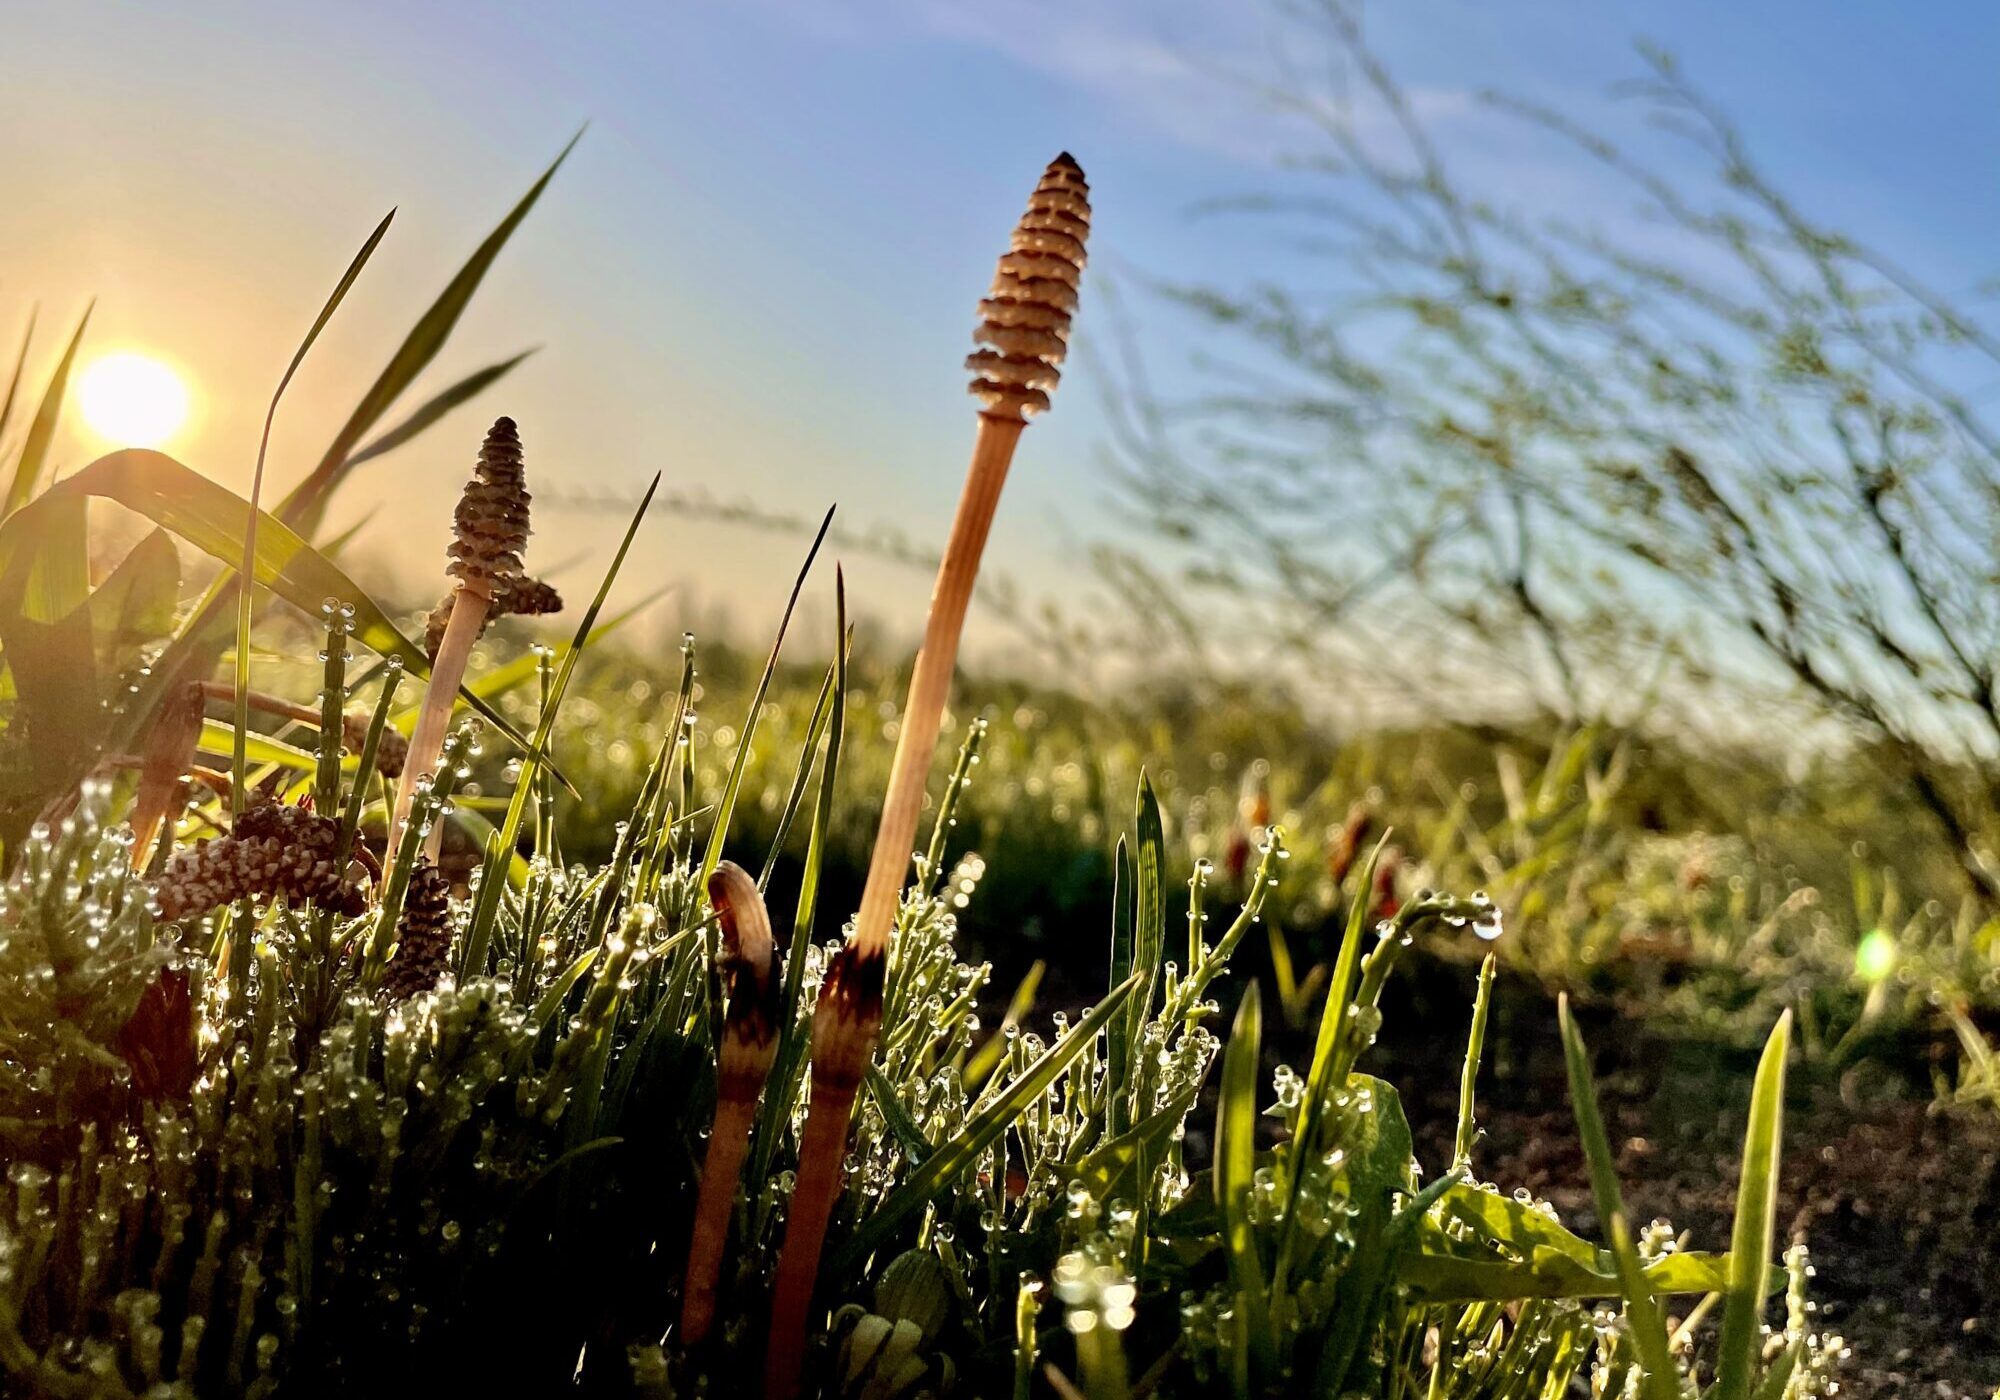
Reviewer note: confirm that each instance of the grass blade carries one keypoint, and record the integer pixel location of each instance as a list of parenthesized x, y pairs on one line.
[(434, 408), (1468, 1079), (14, 380), (1642, 1310), (303, 506), (1235, 1166), (726, 806), (1751, 1240), (239, 759), (42, 430), (537, 752)]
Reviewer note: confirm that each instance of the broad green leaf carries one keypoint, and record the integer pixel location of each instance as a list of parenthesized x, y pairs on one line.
[(219, 738), (211, 518), (1112, 1162), (1445, 1277), (42, 431), (136, 604), (1751, 1240), (1642, 1310), (956, 1157)]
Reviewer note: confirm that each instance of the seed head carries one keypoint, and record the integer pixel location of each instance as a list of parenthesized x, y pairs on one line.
[(490, 528), (390, 750), (274, 851), (1024, 320), (423, 935)]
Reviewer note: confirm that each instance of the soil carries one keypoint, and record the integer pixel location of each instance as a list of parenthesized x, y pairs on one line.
[(1897, 1198)]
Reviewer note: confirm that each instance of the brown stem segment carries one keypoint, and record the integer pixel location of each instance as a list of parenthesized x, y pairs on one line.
[(720, 1168)]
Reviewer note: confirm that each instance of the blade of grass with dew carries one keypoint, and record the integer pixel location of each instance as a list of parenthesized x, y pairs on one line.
[(435, 408), (1149, 930), (1468, 1078), (822, 715), (787, 1069), (42, 429), (986, 1058), (245, 597), (725, 807), (1252, 1355), (1334, 1020), (916, 1147), (957, 1156), (1642, 1312), (1754, 1233)]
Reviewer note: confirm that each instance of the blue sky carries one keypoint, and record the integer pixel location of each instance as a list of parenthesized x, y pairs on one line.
[(757, 273)]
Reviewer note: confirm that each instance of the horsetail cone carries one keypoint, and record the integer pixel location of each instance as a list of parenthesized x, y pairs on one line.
[(489, 535), (1024, 320), (1023, 334), (748, 967), (490, 526), (423, 936)]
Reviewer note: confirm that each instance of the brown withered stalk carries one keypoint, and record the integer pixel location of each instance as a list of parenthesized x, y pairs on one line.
[(751, 994), (1023, 333), (489, 534)]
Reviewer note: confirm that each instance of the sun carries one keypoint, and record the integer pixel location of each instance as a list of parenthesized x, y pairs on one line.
[(132, 400)]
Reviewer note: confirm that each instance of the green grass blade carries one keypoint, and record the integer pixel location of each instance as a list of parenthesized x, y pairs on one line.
[(305, 503), (14, 380), (42, 429), (239, 759), (954, 1158), (1468, 1078), (726, 805), (1149, 920), (1751, 1241), (537, 752), (1235, 1168), (784, 1080), (1642, 1309), (428, 413), (1118, 1057)]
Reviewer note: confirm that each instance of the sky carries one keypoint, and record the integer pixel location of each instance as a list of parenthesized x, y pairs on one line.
[(756, 274)]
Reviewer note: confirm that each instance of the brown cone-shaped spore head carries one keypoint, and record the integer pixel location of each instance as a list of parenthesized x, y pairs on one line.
[(1024, 321), (847, 1017), (490, 527)]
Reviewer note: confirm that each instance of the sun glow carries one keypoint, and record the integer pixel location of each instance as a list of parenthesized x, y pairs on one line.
[(132, 400)]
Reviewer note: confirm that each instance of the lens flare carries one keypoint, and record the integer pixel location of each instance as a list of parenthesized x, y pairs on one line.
[(132, 400)]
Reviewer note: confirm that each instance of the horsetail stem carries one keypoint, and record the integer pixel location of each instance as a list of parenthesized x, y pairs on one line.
[(1023, 333)]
